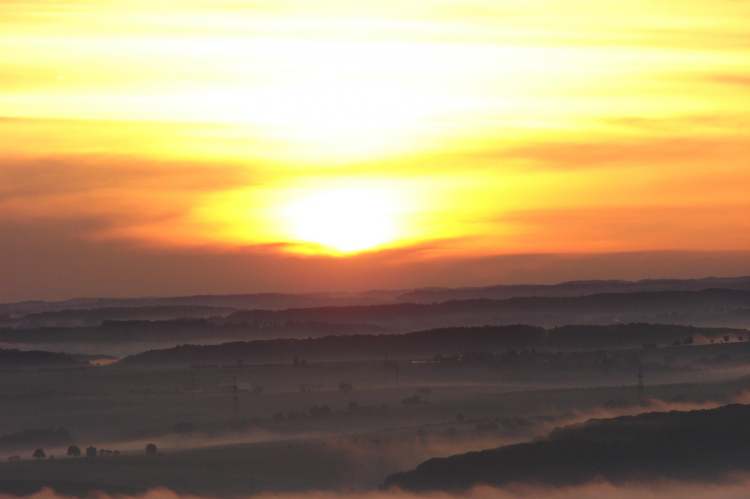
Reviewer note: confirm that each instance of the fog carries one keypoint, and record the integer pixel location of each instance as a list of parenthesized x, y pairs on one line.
[(733, 487), (343, 416)]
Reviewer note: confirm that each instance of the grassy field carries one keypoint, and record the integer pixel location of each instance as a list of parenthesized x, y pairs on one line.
[(305, 430)]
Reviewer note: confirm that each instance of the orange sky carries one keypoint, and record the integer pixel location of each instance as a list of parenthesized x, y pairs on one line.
[(292, 145)]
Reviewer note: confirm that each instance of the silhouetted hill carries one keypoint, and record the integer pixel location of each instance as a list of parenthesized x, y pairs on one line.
[(96, 316), (18, 358), (272, 301), (674, 445), (709, 308), (134, 336), (573, 288), (713, 307), (340, 347), (424, 344), (280, 301), (589, 337)]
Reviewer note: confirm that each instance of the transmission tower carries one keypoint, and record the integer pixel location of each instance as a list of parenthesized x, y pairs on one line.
[(235, 398), (641, 388)]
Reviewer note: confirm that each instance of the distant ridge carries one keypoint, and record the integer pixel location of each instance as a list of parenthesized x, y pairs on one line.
[(14, 359), (707, 308), (426, 344), (574, 288), (710, 307), (278, 301)]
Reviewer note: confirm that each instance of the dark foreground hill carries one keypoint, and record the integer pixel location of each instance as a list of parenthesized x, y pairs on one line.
[(430, 343), (693, 446)]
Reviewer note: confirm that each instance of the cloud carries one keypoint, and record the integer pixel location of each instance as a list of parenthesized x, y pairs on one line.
[(738, 79), (635, 228), (49, 259), (650, 152), (100, 195), (50, 176), (729, 123)]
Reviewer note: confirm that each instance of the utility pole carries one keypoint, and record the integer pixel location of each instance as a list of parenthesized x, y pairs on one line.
[(192, 382), (392, 364), (235, 398), (641, 387)]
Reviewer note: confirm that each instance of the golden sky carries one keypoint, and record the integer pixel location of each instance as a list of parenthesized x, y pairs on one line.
[(337, 130)]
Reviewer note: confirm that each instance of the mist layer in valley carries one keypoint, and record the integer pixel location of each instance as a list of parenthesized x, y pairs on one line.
[(202, 397)]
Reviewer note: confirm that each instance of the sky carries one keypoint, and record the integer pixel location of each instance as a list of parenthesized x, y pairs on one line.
[(164, 147)]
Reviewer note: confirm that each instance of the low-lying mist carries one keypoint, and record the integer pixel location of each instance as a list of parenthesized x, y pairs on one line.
[(732, 487)]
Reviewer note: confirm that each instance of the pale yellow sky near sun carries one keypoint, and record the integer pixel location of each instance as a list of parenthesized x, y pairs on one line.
[(475, 127)]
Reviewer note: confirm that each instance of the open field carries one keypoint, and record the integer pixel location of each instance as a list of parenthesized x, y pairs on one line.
[(343, 425)]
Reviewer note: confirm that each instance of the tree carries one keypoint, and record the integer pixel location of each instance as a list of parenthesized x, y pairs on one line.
[(151, 450), (74, 451), (91, 452), (39, 454)]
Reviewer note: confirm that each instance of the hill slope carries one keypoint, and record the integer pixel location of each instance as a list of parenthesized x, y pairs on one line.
[(426, 344), (675, 445)]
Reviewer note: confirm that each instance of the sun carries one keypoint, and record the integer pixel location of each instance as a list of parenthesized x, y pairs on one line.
[(343, 220)]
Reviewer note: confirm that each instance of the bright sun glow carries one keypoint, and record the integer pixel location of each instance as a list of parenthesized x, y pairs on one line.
[(344, 220), (332, 101)]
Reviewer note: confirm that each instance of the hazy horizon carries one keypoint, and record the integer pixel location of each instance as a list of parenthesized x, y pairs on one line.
[(164, 275)]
